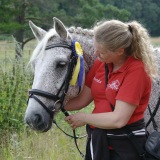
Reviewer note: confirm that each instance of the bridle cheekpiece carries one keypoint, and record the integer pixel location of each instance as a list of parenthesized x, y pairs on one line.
[(76, 61)]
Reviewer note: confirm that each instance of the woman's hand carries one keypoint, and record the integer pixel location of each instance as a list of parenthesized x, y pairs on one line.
[(76, 120)]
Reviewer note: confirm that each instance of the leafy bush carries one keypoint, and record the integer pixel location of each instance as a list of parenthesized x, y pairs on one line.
[(15, 81)]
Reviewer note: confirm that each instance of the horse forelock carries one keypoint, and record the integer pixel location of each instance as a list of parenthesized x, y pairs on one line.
[(40, 48)]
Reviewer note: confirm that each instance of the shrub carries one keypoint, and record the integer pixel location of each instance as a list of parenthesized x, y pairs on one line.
[(15, 81)]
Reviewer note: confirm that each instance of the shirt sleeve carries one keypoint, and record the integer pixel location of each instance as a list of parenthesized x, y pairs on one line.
[(91, 73), (135, 86)]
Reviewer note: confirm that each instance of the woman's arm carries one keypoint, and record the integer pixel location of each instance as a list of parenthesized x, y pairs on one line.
[(110, 120), (81, 101)]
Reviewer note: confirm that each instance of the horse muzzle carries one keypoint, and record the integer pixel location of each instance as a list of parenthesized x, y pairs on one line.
[(38, 122)]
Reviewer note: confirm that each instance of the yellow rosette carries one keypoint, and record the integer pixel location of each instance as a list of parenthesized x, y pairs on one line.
[(79, 53)]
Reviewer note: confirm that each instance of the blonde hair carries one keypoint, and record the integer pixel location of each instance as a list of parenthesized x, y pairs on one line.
[(132, 36)]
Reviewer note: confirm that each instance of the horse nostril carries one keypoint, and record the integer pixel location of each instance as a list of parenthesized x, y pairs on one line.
[(37, 119)]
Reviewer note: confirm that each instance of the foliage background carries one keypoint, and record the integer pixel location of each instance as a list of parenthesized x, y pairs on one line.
[(15, 14)]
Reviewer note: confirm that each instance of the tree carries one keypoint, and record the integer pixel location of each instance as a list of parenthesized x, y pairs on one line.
[(113, 12), (92, 11), (81, 13), (7, 22), (13, 22), (145, 11), (14, 15)]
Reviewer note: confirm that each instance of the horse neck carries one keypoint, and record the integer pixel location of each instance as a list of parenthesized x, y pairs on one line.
[(86, 42)]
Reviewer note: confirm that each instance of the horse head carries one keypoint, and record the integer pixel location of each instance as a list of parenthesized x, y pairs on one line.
[(56, 78)]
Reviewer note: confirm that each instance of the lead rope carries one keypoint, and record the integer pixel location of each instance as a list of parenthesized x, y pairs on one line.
[(65, 112), (76, 49), (74, 133)]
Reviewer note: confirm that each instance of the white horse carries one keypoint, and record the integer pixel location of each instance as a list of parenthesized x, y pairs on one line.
[(54, 65)]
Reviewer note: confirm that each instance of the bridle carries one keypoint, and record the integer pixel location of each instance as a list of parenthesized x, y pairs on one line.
[(33, 93)]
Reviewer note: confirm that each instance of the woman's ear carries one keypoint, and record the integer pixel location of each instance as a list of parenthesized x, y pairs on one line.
[(120, 51)]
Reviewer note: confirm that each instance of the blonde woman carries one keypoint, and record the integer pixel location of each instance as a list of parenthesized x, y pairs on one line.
[(126, 50)]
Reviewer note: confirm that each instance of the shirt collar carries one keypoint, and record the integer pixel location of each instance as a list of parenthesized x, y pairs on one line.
[(123, 67)]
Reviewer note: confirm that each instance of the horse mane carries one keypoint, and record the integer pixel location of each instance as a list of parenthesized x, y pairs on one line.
[(79, 30), (85, 38)]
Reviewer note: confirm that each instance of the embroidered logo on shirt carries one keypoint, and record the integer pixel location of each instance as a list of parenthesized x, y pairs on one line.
[(114, 85), (97, 80)]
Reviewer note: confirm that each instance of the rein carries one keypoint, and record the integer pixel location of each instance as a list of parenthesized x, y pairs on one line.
[(33, 93)]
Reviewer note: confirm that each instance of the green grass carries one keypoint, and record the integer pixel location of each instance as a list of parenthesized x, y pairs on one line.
[(52, 145), (155, 41)]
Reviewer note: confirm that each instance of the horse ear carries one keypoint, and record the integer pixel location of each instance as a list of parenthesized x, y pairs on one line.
[(60, 28), (38, 32)]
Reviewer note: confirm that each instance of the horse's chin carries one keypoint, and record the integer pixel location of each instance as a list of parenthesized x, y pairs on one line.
[(44, 127)]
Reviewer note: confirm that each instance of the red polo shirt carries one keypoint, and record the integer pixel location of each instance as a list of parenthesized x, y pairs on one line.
[(130, 84)]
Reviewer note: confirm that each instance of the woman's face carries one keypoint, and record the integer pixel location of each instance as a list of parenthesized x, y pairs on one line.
[(104, 55)]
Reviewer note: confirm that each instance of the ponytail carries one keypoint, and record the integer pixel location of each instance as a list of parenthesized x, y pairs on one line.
[(141, 48)]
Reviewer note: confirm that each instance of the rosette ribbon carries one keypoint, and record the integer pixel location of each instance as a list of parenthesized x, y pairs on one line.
[(79, 68)]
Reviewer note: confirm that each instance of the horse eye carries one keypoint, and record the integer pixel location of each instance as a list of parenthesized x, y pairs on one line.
[(61, 65)]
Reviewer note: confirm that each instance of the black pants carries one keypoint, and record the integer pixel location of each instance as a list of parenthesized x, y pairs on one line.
[(114, 155), (123, 148)]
